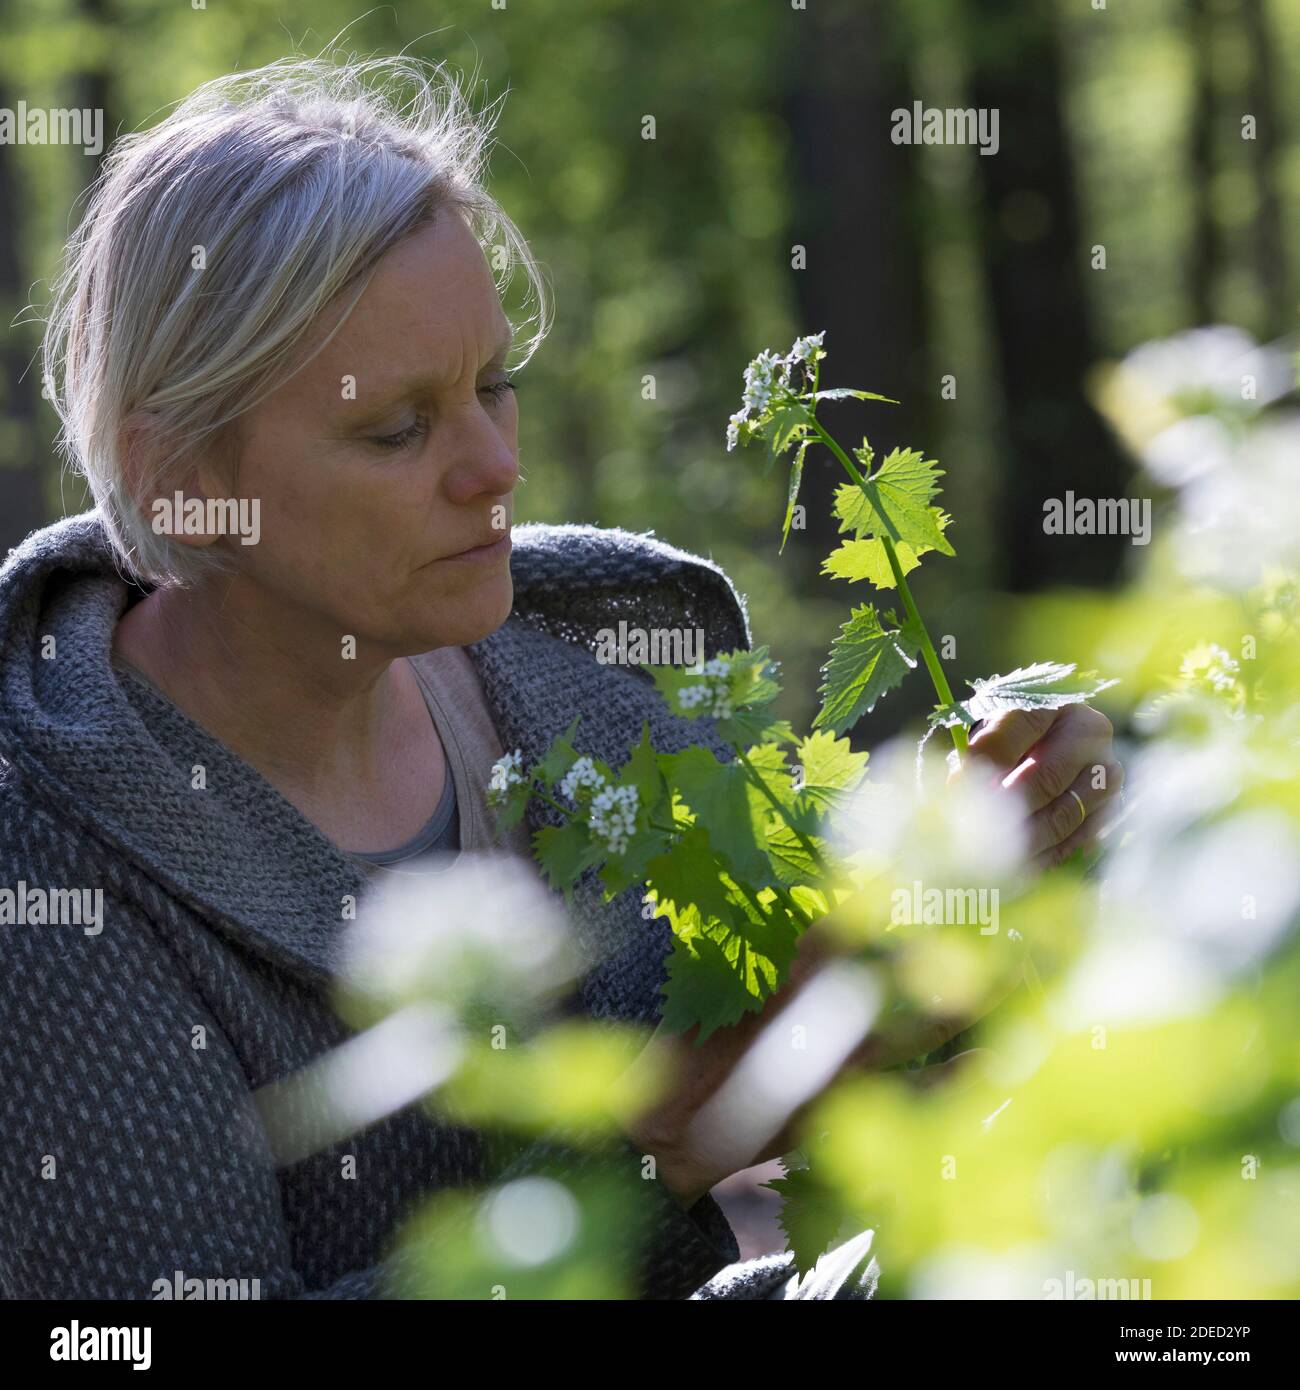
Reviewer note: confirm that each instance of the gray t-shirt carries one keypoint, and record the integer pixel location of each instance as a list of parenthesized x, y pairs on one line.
[(440, 832)]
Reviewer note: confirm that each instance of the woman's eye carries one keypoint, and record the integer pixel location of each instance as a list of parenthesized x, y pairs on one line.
[(499, 389), (403, 437)]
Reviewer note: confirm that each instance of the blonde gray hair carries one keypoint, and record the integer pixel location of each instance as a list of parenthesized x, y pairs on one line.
[(293, 180)]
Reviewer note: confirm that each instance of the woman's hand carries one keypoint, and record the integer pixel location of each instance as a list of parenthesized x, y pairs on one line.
[(1062, 763), (690, 1157)]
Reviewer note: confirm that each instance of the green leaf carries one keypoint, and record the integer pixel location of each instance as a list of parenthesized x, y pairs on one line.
[(728, 967), (855, 560), (894, 501), (792, 497), (831, 770), (642, 772), (1045, 685), (750, 726), (790, 857), (866, 661), (838, 393), (783, 425), (560, 756), (686, 882), (733, 811), (565, 853), (812, 1215), (704, 988)]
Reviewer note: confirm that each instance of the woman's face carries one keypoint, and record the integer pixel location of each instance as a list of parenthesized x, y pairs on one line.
[(391, 452)]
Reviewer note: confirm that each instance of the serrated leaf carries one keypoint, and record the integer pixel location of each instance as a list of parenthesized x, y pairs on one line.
[(838, 393), (865, 558), (755, 726), (1045, 685), (831, 769), (642, 772), (812, 1215), (686, 882), (790, 857), (565, 853), (728, 967), (782, 427), (866, 661), (724, 801), (894, 501), (703, 987)]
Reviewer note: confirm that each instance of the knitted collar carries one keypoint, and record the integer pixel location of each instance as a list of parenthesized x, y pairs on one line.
[(119, 767)]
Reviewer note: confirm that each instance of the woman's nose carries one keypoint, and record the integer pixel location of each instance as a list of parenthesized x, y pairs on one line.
[(485, 463)]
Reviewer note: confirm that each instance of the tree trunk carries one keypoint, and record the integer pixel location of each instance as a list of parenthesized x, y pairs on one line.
[(1036, 267)]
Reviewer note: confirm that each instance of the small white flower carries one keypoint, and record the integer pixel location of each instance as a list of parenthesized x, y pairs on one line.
[(583, 773), (612, 816), (711, 693), (764, 375), (507, 772), (802, 351)]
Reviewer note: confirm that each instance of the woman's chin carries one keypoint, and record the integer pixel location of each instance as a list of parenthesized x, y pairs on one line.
[(459, 619)]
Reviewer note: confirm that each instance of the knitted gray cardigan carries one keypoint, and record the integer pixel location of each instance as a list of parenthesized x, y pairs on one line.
[(127, 1154)]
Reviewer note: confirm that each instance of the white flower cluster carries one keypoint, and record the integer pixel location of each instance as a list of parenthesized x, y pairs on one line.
[(583, 773), (712, 691), (613, 816), (507, 772), (763, 375)]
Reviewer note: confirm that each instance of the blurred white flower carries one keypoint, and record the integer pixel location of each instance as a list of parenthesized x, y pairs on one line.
[(1238, 521), (968, 832), (1214, 364), (486, 924), (531, 1221)]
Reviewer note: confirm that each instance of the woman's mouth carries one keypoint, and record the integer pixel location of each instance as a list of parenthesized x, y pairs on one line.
[(481, 554)]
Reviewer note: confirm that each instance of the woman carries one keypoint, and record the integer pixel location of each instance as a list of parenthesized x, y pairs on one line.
[(278, 658)]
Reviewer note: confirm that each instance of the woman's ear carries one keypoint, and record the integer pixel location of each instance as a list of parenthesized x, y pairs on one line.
[(178, 510)]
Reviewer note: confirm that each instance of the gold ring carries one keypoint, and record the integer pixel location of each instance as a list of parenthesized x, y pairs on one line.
[(1083, 810)]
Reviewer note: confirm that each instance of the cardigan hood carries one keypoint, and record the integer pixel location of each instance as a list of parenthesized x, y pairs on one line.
[(119, 763)]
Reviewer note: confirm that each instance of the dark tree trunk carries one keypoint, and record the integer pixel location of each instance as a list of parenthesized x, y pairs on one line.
[(1205, 254), (1036, 269), (1276, 301), (856, 214)]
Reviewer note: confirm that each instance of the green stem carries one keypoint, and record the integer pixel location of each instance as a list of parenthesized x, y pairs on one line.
[(566, 811), (928, 653), (752, 773), (791, 906)]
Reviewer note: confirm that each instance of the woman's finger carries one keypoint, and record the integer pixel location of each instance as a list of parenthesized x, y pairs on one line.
[(1072, 816), (1080, 739), (1005, 739)]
